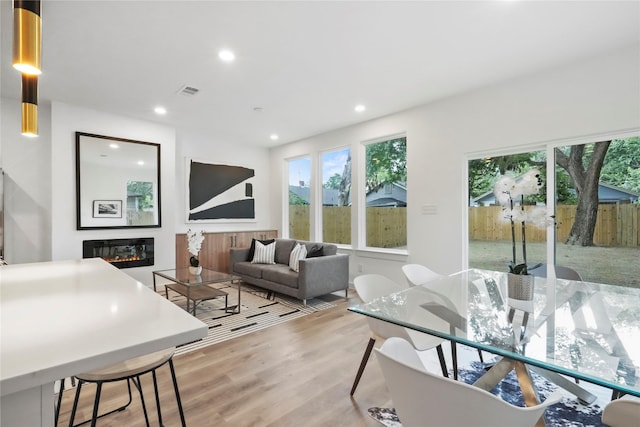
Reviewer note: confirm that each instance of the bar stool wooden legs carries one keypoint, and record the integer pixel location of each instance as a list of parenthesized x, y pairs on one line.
[(130, 370)]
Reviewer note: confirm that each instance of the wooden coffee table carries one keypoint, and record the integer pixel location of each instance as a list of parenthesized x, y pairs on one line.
[(195, 288)]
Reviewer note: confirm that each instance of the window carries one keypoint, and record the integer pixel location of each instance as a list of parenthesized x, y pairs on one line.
[(596, 188), (386, 193), (336, 196), (299, 198)]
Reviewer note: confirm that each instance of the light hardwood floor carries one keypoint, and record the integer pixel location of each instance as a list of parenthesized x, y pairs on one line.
[(298, 373)]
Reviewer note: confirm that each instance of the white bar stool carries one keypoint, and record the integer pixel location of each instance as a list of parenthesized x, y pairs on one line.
[(129, 370)]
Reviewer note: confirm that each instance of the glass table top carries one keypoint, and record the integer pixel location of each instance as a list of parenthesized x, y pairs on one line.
[(184, 277), (585, 330)]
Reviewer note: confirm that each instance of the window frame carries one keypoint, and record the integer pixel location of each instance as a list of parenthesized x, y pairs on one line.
[(362, 196)]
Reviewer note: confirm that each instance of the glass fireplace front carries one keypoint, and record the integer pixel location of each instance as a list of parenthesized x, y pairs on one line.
[(123, 253)]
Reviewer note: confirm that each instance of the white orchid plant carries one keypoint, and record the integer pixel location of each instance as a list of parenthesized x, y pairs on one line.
[(508, 191), (195, 239)]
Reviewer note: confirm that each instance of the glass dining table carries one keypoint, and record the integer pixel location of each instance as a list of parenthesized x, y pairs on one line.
[(573, 329)]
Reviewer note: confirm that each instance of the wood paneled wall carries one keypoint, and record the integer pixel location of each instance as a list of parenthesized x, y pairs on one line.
[(214, 253)]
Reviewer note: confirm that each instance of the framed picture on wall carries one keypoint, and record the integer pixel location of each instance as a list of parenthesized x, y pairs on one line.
[(107, 208), (219, 192)]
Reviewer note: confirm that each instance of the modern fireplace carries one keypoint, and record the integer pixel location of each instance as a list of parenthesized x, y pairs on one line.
[(123, 253)]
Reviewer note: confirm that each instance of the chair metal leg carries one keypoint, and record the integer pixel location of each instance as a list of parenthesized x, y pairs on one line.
[(59, 402), (363, 363), (177, 391), (75, 404), (480, 356), (96, 403), (443, 364), (155, 388), (454, 358), (138, 384)]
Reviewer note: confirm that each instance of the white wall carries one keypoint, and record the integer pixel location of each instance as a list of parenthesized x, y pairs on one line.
[(66, 240), (40, 209), (26, 163), (593, 97), (209, 149)]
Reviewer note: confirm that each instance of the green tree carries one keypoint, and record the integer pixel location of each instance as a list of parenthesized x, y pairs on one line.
[(143, 191), (333, 182), (294, 199), (622, 164), (386, 163), (483, 173), (583, 163)]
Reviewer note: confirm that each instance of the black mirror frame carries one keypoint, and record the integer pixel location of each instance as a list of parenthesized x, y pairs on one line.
[(79, 226)]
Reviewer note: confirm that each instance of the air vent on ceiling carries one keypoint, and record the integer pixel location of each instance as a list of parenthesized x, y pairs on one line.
[(188, 90)]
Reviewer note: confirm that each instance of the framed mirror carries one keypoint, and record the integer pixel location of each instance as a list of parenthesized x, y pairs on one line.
[(117, 183)]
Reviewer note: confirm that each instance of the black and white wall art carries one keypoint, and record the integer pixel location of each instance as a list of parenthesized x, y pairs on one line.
[(218, 192)]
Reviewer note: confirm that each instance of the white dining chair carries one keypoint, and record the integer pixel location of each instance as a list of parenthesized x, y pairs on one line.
[(372, 286), (421, 398), (623, 412), (418, 274)]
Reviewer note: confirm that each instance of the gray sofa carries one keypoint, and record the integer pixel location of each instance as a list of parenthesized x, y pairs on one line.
[(324, 272)]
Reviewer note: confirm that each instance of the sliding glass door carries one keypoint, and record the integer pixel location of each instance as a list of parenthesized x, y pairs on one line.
[(592, 207)]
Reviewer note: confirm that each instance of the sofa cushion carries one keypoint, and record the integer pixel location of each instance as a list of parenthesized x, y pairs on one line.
[(252, 248), (283, 250), (248, 269), (281, 274), (264, 254), (298, 253)]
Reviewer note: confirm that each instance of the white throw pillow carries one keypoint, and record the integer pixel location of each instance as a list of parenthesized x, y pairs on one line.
[(298, 253), (264, 254)]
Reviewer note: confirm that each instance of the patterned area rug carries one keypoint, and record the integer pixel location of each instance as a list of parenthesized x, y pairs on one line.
[(566, 413), (258, 311)]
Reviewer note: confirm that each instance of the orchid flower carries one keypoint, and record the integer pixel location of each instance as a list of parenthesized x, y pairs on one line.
[(506, 190)]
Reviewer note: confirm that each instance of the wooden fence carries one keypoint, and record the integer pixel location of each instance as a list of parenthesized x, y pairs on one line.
[(386, 227), (617, 225)]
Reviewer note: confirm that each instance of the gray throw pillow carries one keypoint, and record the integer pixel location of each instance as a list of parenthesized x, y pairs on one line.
[(315, 251)]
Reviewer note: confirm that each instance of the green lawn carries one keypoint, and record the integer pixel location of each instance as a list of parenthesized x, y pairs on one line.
[(619, 266)]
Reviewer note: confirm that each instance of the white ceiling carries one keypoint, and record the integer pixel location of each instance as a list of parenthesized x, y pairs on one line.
[(306, 64)]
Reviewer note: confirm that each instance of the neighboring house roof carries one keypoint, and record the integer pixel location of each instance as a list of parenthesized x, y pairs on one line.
[(302, 192), (389, 195), (611, 193), (607, 193), (394, 194), (329, 195)]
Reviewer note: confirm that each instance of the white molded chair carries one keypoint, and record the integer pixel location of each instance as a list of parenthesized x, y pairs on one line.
[(418, 274), (623, 412), (422, 398), (372, 286)]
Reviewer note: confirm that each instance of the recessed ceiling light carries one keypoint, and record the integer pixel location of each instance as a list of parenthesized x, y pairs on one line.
[(226, 55), (114, 145), (360, 108), (140, 162), (160, 110), (274, 137)]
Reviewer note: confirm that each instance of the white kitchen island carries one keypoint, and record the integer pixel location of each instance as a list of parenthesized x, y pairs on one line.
[(63, 318)]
